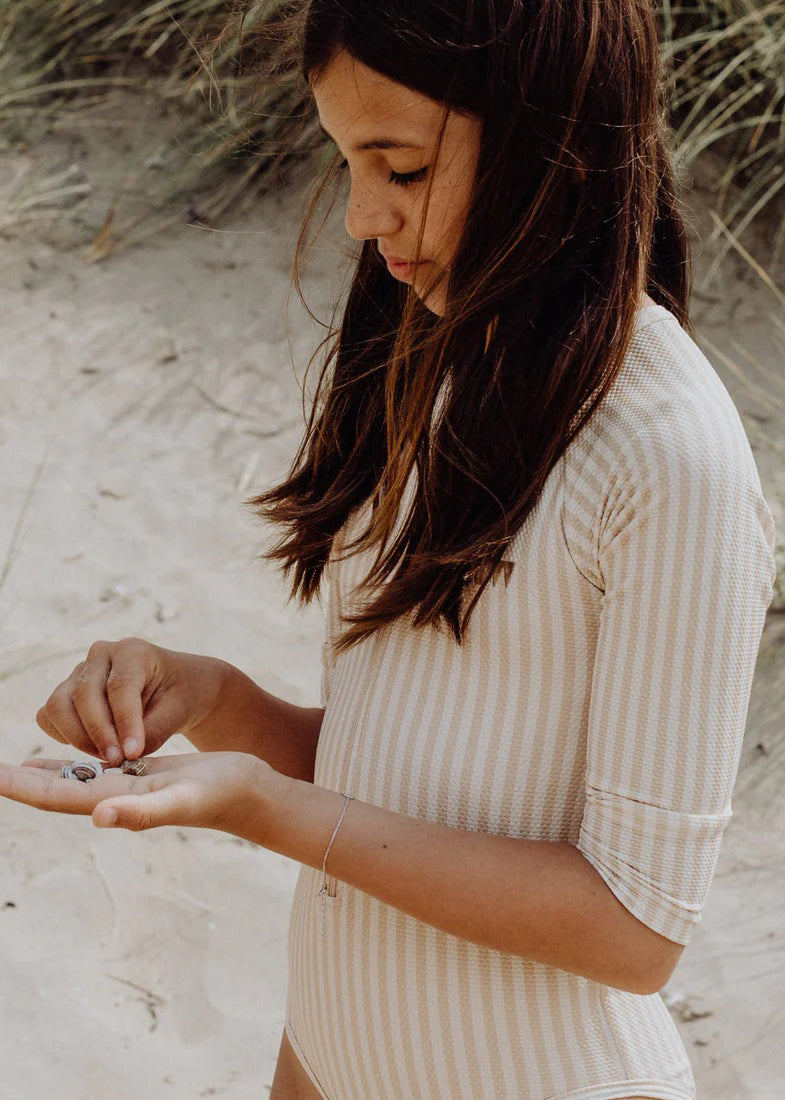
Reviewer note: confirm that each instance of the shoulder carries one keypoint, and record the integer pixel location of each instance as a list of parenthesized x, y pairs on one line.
[(667, 414), (667, 436)]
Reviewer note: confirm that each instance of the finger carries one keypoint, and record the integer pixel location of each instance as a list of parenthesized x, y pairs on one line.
[(164, 713), (125, 688), (45, 790), (89, 698), (57, 765), (49, 728), (62, 715), (44, 764), (171, 805), (153, 764)]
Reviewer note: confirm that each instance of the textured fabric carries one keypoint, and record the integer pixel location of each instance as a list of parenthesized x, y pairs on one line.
[(599, 698)]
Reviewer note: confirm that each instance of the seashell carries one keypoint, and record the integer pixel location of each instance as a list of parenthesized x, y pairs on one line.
[(133, 767), (83, 770)]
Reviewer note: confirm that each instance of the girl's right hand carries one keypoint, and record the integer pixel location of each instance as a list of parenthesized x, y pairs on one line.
[(128, 697)]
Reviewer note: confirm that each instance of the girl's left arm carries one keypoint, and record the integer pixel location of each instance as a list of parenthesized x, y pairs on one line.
[(686, 566), (539, 899)]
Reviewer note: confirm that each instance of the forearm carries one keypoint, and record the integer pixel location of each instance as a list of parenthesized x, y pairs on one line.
[(538, 899), (246, 718)]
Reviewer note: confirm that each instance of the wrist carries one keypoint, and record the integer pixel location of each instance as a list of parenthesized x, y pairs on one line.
[(212, 679), (300, 819), (271, 807), (218, 679)]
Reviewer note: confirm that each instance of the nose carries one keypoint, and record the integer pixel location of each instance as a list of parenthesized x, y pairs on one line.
[(369, 214)]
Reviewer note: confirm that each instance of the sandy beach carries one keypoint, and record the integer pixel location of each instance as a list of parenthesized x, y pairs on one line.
[(142, 399)]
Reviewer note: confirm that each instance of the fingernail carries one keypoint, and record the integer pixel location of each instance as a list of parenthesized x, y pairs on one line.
[(105, 818), (130, 747), (113, 755)]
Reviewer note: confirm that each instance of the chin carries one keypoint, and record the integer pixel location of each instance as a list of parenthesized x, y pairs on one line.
[(435, 302)]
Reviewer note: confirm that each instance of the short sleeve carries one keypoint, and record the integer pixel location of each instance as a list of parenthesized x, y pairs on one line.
[(685, 551)]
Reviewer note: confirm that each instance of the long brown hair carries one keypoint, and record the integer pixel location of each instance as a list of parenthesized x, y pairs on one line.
[(574, 212)]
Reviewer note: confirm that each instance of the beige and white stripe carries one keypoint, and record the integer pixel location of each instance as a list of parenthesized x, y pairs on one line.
[(600, 698)]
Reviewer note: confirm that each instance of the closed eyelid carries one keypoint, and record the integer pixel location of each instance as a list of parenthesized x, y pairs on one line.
[(401, 179), (398, 177), (405, 179)]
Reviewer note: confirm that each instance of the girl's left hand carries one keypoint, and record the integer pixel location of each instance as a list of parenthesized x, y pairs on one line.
[(234, 792)]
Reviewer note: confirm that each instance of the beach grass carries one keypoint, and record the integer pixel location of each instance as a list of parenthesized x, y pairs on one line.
[(237, 133)]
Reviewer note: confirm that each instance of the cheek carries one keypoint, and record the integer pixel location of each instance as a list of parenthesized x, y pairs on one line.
[(448, 207), (446, 218)]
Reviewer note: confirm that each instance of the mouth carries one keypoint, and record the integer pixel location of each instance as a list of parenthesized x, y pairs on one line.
[(401, 268)]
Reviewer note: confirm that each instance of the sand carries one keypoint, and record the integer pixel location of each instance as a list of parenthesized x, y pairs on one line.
[(141, 400)]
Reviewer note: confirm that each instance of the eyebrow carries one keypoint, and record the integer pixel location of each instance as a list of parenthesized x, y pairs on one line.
[(377, 143)]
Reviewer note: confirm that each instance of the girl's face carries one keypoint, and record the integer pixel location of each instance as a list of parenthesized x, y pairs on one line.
[(389, 135)]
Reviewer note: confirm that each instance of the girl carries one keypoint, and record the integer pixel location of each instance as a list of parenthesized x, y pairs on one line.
[(549, 563)]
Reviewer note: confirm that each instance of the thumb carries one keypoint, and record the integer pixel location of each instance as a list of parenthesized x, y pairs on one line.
[(168, 806)]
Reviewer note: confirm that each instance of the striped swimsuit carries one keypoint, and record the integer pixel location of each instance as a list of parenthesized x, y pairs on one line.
[(599, 698)]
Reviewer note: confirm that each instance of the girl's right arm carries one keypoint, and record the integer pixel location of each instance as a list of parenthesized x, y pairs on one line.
[(246, 718), (128, 698)]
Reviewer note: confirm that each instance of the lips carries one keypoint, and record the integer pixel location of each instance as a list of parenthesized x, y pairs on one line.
[(402, 269)]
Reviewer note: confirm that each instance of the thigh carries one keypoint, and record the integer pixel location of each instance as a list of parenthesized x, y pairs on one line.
[(291, 1082)]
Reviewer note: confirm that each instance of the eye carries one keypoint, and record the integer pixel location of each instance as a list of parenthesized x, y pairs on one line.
[(405, 179)]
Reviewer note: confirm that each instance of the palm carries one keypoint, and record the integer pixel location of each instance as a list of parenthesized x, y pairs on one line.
[(211, 790)]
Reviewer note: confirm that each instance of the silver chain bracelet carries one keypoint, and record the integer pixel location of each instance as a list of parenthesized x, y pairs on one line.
[(323, 888)]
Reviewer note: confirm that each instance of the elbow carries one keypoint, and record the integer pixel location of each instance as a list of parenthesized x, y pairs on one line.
[(648, 988), (632, 980), (658, 973), (649, 959), (653, 957), (645, 988)]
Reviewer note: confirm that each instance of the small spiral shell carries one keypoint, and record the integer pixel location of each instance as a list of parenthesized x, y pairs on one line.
[(83, 770), (133, 767)]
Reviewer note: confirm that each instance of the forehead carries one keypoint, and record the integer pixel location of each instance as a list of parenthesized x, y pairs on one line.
[(358, 102)]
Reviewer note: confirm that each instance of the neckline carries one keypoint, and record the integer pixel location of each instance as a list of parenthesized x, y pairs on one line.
[(653, 312)]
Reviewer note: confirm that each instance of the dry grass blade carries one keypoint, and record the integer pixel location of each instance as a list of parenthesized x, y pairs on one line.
[(204, 56), (745, 255), (35, 662), (13, 546), (769, 397), (227, 65), (766, 397), (726, 66)]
